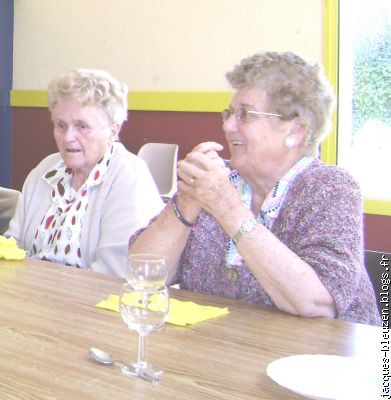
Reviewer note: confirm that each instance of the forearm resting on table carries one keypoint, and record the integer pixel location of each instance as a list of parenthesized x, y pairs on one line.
[(166, 236), (303, 295), (292, 284)]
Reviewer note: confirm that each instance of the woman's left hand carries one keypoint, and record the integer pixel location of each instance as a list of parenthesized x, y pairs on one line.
[(205, 178)]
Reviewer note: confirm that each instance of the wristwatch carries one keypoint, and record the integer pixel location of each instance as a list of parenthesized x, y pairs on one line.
[(245, 228)]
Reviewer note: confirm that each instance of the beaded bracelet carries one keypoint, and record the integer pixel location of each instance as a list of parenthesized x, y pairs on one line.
[(178, 213)]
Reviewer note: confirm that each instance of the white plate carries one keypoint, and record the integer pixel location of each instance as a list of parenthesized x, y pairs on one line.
[(327, 377)]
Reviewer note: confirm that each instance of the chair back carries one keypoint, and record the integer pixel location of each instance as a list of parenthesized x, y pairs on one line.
[(161, 159), (8, 201), (379, 270)]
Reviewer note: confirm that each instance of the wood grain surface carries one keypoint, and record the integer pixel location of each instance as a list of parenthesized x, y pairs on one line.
[(48, 321)]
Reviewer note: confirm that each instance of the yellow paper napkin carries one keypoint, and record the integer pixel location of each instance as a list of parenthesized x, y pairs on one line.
[(181, 312), (9, 250)]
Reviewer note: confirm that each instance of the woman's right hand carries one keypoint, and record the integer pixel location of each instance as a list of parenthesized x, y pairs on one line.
[(188, 204), (205, 178)]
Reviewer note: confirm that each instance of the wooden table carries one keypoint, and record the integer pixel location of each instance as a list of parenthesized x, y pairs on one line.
[(48, 321)]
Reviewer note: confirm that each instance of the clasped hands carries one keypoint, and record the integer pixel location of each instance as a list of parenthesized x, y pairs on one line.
[(204, 178)]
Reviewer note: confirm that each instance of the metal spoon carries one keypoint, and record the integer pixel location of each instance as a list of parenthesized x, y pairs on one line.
[(104, 358)]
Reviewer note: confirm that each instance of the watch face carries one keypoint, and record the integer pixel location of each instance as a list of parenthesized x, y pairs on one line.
[(248, 225)]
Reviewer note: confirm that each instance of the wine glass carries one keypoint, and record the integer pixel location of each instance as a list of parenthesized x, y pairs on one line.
[(144, 312), (146, 271)]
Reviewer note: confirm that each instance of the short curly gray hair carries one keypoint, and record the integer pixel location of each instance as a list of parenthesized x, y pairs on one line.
[(91, 87), (295, 88)]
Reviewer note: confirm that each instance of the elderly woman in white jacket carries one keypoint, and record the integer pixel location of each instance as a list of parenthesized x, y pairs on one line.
[(80, 205)]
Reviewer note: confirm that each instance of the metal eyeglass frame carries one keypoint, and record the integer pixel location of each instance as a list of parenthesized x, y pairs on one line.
[(241, 114)]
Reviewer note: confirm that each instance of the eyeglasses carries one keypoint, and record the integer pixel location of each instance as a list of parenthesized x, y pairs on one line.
[(243, 115)]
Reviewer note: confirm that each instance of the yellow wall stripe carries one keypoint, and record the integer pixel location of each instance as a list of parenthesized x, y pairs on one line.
[(179, 101), (29, 98), (377, 206), (330, 63), (148, 101)]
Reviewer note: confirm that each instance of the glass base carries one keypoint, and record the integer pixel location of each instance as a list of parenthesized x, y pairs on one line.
[(129, 370), (145, 371), (149, 369)]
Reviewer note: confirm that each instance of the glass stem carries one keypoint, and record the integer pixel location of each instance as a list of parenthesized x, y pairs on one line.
[(141, 360)]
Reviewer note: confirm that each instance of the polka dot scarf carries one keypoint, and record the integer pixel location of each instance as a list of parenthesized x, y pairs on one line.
[(58, 236), (271, 206)]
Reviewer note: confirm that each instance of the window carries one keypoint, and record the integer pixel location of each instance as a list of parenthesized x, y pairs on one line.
[(362, 51)]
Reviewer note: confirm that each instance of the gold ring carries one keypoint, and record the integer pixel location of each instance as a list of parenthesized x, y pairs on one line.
[(191, 181)]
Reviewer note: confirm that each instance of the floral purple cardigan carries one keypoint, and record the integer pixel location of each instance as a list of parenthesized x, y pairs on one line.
[(320, 220)]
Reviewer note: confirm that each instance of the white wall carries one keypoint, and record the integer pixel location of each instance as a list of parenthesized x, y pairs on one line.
[(157, 45)]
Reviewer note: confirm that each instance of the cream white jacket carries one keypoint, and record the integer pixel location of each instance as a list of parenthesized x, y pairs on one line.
[(124, 202)]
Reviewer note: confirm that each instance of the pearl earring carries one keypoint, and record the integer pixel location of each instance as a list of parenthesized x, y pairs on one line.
[(289, 142)]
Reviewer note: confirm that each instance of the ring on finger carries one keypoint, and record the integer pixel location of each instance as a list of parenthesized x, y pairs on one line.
[(191, 182)]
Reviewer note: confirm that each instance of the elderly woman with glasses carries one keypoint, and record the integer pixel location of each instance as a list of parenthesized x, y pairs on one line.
[(278, 227), (80, 205)]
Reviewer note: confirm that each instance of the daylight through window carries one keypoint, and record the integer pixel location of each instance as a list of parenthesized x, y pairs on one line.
[(364, 113)]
